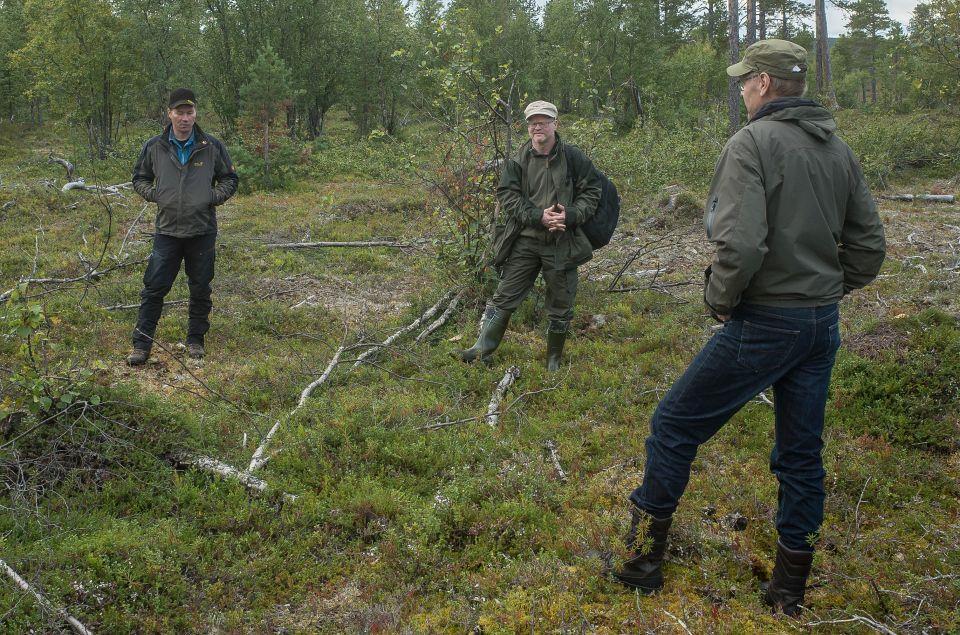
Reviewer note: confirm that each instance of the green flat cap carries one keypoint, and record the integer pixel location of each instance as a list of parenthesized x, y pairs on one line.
[(778, 58)]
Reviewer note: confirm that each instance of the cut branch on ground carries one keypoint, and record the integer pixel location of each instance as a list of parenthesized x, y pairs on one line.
[(74, 623), (493, 409), (214, 466)]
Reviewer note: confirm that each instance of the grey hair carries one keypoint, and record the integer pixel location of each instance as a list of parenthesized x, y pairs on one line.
[(788, 87)]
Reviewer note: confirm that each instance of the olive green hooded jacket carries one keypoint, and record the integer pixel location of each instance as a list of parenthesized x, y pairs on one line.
[(186, 195), (790, 213), (575, 187)]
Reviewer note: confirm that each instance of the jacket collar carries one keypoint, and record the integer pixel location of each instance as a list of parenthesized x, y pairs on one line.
[(779, 104), (527, 148), (199, 137)]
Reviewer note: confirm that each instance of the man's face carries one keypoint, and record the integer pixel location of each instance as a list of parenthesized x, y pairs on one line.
[(541, 128), (182, 117), (751, 90)]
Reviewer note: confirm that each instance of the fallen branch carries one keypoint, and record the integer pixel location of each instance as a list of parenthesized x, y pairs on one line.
[(69, 167), (641, 250), (678, 620), (927, 198), (352, 243), (74, 623), (509, 377), (447, 424), (322, 378), (123, 243), (860, 619), (552, 448), (81, 184), (90, 275), (124, 307), (429, 313), (249, 481), (440, 320), (258, 459)]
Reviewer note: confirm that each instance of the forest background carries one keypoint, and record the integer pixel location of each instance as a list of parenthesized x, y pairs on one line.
[(328, 467)]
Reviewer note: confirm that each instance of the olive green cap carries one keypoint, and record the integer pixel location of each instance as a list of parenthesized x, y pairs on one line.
[(779, 58)]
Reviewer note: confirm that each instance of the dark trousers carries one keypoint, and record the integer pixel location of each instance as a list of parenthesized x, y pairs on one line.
[(531, 256), (791, 349), (197, 254)]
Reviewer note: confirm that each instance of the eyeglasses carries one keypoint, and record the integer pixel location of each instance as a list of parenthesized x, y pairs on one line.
[(742, 81), (536, 125)]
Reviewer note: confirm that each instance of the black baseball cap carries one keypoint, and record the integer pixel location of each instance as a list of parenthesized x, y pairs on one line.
[(182, 97)]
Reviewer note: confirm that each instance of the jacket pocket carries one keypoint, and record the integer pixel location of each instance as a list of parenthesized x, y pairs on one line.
[(764, 348)]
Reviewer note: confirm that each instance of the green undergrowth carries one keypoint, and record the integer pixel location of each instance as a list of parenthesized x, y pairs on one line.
[(468, 527)]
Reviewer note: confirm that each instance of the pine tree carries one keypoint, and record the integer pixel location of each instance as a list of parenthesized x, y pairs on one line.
[(267, 91)]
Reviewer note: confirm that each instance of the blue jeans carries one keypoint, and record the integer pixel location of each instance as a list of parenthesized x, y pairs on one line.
[(791, 349), (197, 255)]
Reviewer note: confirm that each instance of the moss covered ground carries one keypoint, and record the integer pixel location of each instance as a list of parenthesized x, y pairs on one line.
[(467, 528)]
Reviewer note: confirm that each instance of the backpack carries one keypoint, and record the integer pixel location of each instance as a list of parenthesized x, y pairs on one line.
[(599, 229)]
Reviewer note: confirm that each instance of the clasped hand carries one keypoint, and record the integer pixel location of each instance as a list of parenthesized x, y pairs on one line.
[(555, 218)]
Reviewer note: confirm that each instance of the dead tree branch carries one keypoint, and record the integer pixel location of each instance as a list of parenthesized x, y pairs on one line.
[(125, 307), (248, 480), (442, 319), (81, 184), (352, 243), (858, 619), (74, 623), (493, 408), (447, 424), (926, 198), (87, 277), (258, 459), (552, 449), (69, 167), (429, 313)]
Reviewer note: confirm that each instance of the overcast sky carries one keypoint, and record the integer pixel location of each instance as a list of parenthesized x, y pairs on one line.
[(900, 10)]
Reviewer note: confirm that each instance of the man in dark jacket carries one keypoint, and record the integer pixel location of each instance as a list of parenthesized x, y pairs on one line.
[(187, 173), (795, 230), (547, 190)]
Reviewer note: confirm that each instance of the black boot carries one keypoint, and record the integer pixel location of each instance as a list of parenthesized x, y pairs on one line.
[(495, 323), (789, 580), (644, 570), (556, 336)]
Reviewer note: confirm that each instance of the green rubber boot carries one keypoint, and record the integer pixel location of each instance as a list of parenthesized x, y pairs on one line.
[(495, 323), (556, 337)]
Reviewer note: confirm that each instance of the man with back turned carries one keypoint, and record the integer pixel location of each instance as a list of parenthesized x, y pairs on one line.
[(795, 230)]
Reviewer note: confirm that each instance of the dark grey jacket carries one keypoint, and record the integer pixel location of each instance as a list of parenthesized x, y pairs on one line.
[(186, 195), (790, 213)]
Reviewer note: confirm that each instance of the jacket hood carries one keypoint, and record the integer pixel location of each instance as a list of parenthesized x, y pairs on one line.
[(813, 118)]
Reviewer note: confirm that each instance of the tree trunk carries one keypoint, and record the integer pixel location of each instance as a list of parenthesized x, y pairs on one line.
[(751, 22), (733, 35), (824, 74), (784, 26), (762, 19), (266, 151)]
